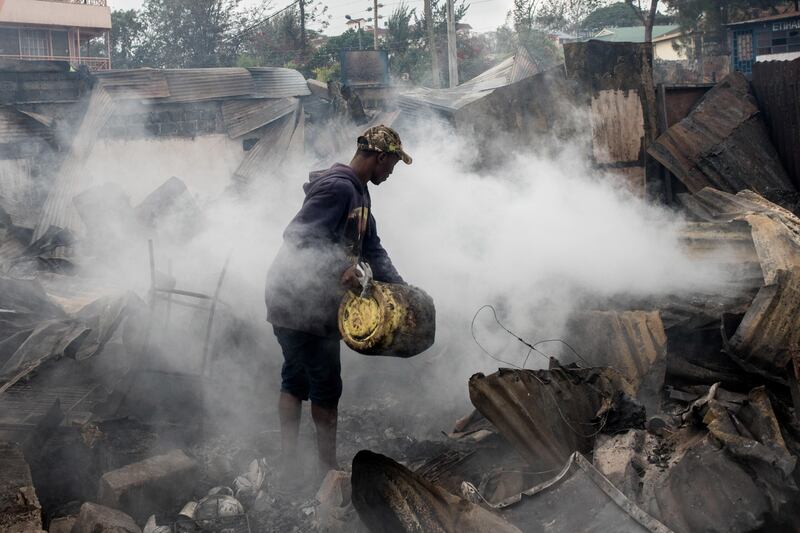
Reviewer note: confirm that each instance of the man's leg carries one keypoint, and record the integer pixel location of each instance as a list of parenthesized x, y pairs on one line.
[(294, 389), (289, 409), (325, 375), (325, 422)]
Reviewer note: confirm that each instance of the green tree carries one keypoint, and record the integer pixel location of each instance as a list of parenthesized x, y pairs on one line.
[(439, 14), (276, 39), (326, 57), (617, 15), (127, 33), (191, 33), (526, 18), (565, 15), (406, 42)]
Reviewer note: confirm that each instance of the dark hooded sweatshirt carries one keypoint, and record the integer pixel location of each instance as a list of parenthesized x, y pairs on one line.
[(333, 230)]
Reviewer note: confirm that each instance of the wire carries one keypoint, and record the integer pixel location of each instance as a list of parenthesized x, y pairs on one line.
[(262, 21), (487, 352), (532, 347), (565, 343)]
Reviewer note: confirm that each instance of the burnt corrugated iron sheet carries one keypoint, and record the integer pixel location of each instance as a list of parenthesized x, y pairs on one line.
[(777, 88), (275, 82), (16, 127), (244, 116), (58, 209), (279, 140), (448, 101), (194, 84), (524, 66), (617, 126), (546, 415), (723, 144), (632, 342), (775, 231), (580, 498), (770, 331), (139, 83), (727, 246)]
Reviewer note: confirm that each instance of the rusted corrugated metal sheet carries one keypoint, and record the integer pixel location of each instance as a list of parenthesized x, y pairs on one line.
[(632, 342), (524, 66), (770, 331), (617, 126), (16, 127), (546, 415), (609, 83), (728, 246), (774, 230), (274, 82), (448, 101), (723, 144), (272, 148), (71, 178), (139, 83), (244, 116), (195, 84), (580, 498), (777, 88)]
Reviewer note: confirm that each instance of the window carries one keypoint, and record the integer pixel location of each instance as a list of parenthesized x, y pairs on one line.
[(35, 43), (60, 43), (744, 46), (9, 41)]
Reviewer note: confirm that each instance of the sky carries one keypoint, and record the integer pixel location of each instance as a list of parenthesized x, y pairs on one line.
[(483, 15)]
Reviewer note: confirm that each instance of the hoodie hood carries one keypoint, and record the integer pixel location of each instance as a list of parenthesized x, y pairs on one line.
[(337, 171)]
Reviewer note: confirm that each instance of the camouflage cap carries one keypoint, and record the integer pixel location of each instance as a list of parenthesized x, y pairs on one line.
[(383, 139)]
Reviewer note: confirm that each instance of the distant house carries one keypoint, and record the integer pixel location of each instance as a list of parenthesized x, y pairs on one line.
[(355, 24), (463, 28), (559, 37), (666, 39), (56, 30), (764, 39)]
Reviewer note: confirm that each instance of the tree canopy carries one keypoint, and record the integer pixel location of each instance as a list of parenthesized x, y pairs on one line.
[(618, 15)]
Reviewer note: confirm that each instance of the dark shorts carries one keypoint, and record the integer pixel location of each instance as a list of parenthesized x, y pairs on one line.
[(311, 366)]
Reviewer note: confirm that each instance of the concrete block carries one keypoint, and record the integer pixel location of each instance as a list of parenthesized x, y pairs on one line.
[(335, 512), (154, 484), (94, 518), (169, 128), (19, 507), (335, 489), (62, 525)]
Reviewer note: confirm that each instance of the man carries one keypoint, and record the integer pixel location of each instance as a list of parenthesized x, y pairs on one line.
[(332, 232)]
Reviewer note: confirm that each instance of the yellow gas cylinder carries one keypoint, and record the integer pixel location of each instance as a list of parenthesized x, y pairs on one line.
[(394, 320)]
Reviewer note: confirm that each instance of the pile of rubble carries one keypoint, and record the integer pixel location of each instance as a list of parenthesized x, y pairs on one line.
[(668, 414), (680, 417), (679, 414)]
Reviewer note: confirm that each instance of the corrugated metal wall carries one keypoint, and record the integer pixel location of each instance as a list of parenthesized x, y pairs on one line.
[(777, 88)]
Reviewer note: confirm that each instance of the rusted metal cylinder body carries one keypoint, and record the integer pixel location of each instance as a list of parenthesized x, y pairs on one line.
[(394, 320)]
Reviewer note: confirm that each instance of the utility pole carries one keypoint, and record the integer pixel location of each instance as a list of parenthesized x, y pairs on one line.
[(432, 44), (302, 28), (375, 19), (452, 58)]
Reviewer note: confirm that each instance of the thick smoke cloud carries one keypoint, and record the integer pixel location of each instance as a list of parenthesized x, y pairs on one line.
[(535, 237)]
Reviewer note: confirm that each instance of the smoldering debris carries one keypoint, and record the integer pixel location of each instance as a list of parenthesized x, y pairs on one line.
[(715, 450), (138, 392)]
